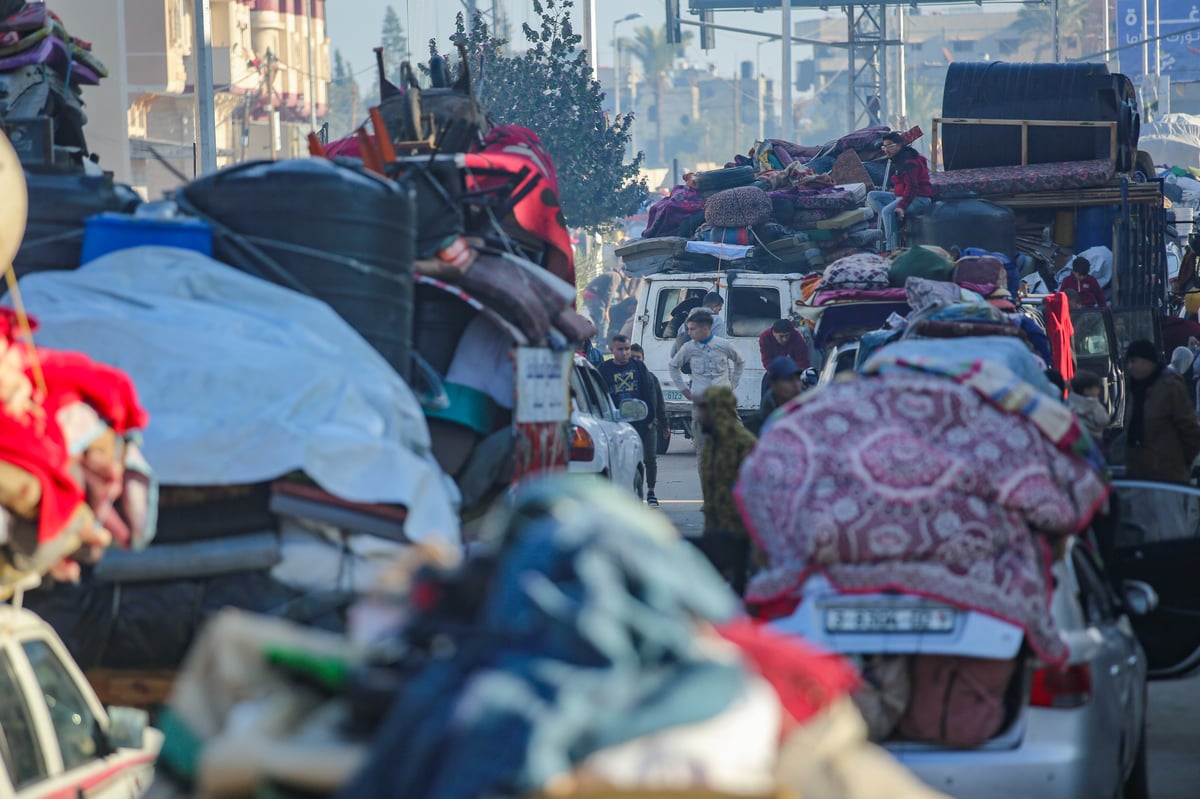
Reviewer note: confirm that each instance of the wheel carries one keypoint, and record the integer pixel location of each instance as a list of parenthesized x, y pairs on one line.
[(663, 444), (1138, 784), (1143, 168), (639, 482)]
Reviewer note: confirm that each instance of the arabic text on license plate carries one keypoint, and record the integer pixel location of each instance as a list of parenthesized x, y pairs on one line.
[(900, 620), (670, 395)]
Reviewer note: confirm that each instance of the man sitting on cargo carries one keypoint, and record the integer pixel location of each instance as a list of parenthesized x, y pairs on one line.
[(913, 195), (713, 362), (1081, 281)]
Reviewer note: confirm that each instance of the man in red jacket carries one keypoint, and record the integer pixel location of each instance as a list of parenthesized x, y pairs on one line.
[(782, 339), (913, 194)]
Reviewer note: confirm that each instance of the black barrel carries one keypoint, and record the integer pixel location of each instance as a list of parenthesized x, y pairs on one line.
[(59, 202), (322, 228), (1069, 92), (966, 223)]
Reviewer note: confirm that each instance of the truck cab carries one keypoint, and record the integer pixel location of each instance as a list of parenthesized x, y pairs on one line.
[(56, 738), (753, 302)]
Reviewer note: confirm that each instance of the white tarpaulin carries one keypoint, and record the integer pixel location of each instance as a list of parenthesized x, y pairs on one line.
[(246, 381), (1172, 140)]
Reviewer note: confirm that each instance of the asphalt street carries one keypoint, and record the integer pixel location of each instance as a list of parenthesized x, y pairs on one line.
[(1174, 726)]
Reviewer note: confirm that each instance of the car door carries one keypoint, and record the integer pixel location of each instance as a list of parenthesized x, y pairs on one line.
[(1097, 351), (71, 726), (1121, 664), (1156, 539), (619, 435)]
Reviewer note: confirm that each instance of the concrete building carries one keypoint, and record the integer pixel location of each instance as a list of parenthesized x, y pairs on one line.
[(147, 105)]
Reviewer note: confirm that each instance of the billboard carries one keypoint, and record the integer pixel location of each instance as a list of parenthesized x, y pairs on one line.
[(1180, 46)]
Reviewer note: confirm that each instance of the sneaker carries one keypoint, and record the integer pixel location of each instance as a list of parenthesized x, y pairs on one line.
[(651, 500)]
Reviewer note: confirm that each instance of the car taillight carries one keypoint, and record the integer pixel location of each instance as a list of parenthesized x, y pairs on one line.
[(582, 446), (1070, 686)]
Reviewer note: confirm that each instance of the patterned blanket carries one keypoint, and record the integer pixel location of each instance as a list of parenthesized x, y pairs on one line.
[(916, 483)]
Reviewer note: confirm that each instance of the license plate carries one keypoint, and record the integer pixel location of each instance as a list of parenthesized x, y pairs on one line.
[(879, 620), (671, 395)]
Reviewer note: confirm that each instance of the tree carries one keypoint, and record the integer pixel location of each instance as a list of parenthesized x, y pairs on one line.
[(551, 90), (1035, 22), (395, 43), (650, 47), (345, 99)]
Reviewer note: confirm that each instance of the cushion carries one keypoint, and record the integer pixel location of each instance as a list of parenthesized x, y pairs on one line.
[(741, 207), (981, 269), (846, 218), (923, 262), (862, 271)]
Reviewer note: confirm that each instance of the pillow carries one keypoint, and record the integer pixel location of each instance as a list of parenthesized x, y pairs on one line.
[(746, 206), (861, 271)]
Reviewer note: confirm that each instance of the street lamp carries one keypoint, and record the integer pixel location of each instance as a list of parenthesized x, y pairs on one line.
[(617, 59)]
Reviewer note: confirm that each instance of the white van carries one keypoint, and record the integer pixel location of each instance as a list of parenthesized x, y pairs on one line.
[(753, 302)]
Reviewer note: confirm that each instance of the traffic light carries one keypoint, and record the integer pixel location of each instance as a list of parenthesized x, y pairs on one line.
[(674, 34), (708, 34)]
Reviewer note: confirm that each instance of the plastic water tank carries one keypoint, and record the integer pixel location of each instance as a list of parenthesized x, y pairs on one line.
[(966, 223), (327, 229)]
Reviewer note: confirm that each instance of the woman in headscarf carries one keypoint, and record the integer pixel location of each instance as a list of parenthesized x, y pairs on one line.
[(726, 445), (1162, 436)]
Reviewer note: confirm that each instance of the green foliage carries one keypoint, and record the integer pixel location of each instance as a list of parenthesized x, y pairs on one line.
[(395, 43), (550, 89), (345, 99)]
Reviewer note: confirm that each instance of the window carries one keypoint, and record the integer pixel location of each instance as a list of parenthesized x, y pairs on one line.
[(915, 47), (670, 311), (1008, 46), (1132, 324), (599, 390), (1157, 515), (1094, 593), (962, 46), (1091, 334), (18, 742), (749, 310), (587, 392), (74, 724)]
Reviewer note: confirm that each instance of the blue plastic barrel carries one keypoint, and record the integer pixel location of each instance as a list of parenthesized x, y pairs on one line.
[(105, 233), (1094, 226)]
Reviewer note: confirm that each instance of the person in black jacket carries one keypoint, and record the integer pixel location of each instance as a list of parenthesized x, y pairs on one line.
[(628, 378)]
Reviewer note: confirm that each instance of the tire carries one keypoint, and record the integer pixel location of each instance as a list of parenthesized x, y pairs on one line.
[(1143, 168), (1138, 784), (639, 482), (662, 445), (720, 179)]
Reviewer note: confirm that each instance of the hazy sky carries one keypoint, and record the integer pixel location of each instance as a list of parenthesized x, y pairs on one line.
[(354, 28)]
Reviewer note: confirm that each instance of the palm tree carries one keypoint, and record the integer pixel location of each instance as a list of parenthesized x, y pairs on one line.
[(649, 46), (1035, 21)]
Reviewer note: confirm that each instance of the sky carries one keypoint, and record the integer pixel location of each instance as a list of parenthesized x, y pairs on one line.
[(354, 29)]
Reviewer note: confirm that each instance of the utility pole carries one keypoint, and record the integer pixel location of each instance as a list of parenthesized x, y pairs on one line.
[(588, 7), (901, 76), (272, 120), (737, 112), (1057, 39), (785, 92), (312, 65), (206, 112)]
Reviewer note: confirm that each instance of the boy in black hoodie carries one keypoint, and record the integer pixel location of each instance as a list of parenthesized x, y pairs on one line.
[(913, 194)]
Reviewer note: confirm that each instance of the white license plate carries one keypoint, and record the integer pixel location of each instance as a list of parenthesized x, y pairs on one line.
[(880, 620), (671, 395)]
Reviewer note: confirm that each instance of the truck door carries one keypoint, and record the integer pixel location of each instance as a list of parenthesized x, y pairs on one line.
[(656, 328), (1157, 540), (1096, 350)]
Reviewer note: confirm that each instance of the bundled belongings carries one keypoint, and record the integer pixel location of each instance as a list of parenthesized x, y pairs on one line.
[(943, 472), (586, 648)]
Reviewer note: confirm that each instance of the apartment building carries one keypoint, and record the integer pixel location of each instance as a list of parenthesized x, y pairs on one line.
[(142, 120)]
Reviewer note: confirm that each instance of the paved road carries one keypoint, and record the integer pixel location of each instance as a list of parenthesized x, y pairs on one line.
[(1174, 706)]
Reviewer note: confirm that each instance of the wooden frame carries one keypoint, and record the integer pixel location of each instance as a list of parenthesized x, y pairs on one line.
[(1025, 125)]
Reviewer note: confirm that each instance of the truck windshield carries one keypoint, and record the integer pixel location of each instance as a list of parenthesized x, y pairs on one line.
[(749, 310)]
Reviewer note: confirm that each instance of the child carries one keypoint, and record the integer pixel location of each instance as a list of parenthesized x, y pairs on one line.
[(1084, 401)]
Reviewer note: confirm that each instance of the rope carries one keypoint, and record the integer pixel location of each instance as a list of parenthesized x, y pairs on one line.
[(10, 275)]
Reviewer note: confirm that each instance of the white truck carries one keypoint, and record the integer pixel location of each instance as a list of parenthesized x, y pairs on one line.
[(753, 302), (56, 738)]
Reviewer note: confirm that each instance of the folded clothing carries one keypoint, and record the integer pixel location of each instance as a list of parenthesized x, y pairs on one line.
[(827, 296), (846, 218), (857, 191)]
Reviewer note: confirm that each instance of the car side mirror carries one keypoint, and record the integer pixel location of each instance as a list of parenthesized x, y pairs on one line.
[(127, 727), (634, 410), (1140, 598)]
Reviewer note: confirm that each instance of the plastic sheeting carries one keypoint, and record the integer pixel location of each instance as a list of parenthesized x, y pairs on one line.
[(1173, 140), (246, 381)]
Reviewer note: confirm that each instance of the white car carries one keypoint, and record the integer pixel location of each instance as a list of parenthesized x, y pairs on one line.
[(603, 441), (56, 738)]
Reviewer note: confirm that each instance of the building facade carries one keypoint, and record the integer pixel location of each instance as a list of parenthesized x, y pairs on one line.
[(142, 119)]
